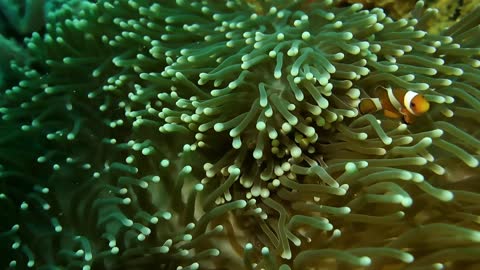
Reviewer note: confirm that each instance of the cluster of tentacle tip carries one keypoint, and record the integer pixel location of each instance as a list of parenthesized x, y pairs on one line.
[(209, 134)]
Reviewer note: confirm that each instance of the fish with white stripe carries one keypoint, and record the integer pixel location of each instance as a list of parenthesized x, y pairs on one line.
[(396, 103)]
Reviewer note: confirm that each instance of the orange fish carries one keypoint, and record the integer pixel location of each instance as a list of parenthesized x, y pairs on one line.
[(396, 103)]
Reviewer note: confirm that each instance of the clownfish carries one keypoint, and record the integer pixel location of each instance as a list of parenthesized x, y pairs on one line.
[(396, 103)]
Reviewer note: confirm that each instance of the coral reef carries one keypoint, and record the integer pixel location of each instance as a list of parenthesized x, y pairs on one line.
[(225, 135), (395, 9), (449, 12)]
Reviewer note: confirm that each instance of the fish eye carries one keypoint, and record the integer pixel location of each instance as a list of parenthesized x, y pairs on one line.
[(412, 104)]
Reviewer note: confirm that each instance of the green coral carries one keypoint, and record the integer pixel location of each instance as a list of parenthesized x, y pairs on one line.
[(211, 135)]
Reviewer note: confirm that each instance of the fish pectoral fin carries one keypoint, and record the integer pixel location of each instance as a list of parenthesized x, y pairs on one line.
[(407, 117), (391, 114)]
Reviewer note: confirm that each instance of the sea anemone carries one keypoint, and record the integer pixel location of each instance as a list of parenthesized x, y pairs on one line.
[(226, 135)]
